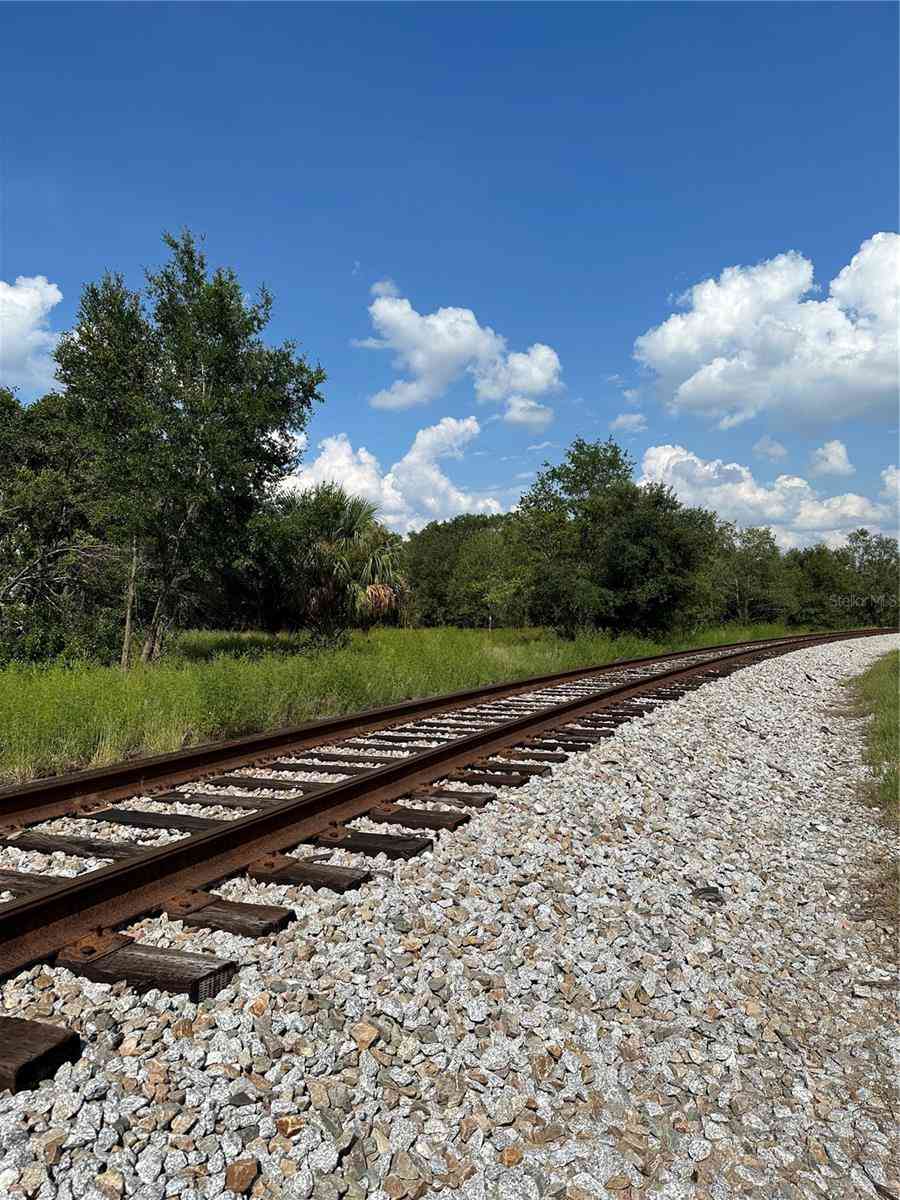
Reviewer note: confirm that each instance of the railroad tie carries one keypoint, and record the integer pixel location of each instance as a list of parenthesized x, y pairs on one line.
[(201, 910), (50, 843), (459, 799), (150, 820), (518, 768), (495, 778), (213, 800), (359, 842), (524, 751), (320, 768), (27, 883), (31, 1051), (282, 869), (417, 818), (353, 759), (255, 783), (109, 958)]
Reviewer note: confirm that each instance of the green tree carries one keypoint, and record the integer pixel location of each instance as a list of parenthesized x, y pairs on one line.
[(758, 586), (318, 559), (823, 582), (57, 569), (430, 557), (487, 586), (875, 561), (190, 416), (604, 551)]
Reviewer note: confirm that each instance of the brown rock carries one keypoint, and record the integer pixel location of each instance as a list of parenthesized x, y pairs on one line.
[(364, 1034), (395, 1187), (50, 1145), (290, 1126), (110, 1183), (511, 1156), (617, 1183), (240, 1175), (318, 1093), (259, 1004)]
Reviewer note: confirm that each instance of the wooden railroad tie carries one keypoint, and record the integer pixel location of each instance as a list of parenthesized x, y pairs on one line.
[(111, 957), (31, 1051), (357, 842), (417, 818), (281, 868)]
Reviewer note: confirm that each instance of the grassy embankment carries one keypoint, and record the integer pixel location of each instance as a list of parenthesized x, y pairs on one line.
[(877, 694), (223, 685)]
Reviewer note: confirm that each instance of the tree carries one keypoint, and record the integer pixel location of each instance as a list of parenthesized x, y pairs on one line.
[(604, 551), (876, 562), (319, 560), (758, 586), (430, 558), (487, 586), (191, 417), (57, 569), (823, 582)]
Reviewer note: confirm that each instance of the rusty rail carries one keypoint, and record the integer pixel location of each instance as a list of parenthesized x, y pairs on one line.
[(38, 926)]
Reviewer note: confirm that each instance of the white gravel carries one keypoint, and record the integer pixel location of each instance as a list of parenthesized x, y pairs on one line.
[(541, 1007)]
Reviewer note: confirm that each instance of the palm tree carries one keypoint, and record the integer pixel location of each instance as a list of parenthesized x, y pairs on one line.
[(346, 563)]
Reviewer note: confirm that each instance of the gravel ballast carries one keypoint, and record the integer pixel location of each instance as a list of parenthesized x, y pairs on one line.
[(655, 973)]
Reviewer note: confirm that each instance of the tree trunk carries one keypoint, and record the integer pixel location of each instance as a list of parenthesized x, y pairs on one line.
[(129, 608), (151, 641)]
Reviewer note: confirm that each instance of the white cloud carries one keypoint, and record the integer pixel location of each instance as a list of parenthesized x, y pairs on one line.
[(531, 374), (415, 490), (768, 447), (26, 341), (629, 423), (543, 446), (796, 513), (890, 480), (831, 459), (631, 395), (753, 341), (438, 348), (384, 287), (521, 410)]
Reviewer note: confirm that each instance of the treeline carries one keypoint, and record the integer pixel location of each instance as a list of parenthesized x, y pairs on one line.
[(152, 491), (587, 547), (145, 493)]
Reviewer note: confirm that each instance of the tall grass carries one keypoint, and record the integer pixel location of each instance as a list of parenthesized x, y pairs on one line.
[(877, 693), (56, 718)]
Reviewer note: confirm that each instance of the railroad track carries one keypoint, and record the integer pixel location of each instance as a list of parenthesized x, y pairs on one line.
[(278, 807)]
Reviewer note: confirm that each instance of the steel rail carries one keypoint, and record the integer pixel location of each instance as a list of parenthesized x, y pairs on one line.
[(38, 926), (54, 796)]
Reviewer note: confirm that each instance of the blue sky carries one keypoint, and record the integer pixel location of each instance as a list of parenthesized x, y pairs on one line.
[(530, 189)]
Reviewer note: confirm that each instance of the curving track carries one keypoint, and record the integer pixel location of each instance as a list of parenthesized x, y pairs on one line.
[(293, 790)]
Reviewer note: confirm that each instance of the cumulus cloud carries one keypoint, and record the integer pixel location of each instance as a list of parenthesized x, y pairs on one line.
[(26, 340), (796, 513), (384, 287), (756, 340), (768, 447), (532, 373), (890, 483), (415, 490), (831, 459), (522, 410), (629, 423), (436, 349)]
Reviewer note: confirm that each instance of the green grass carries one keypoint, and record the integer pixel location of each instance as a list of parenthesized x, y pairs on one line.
[(57, 718), (877, 693)]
